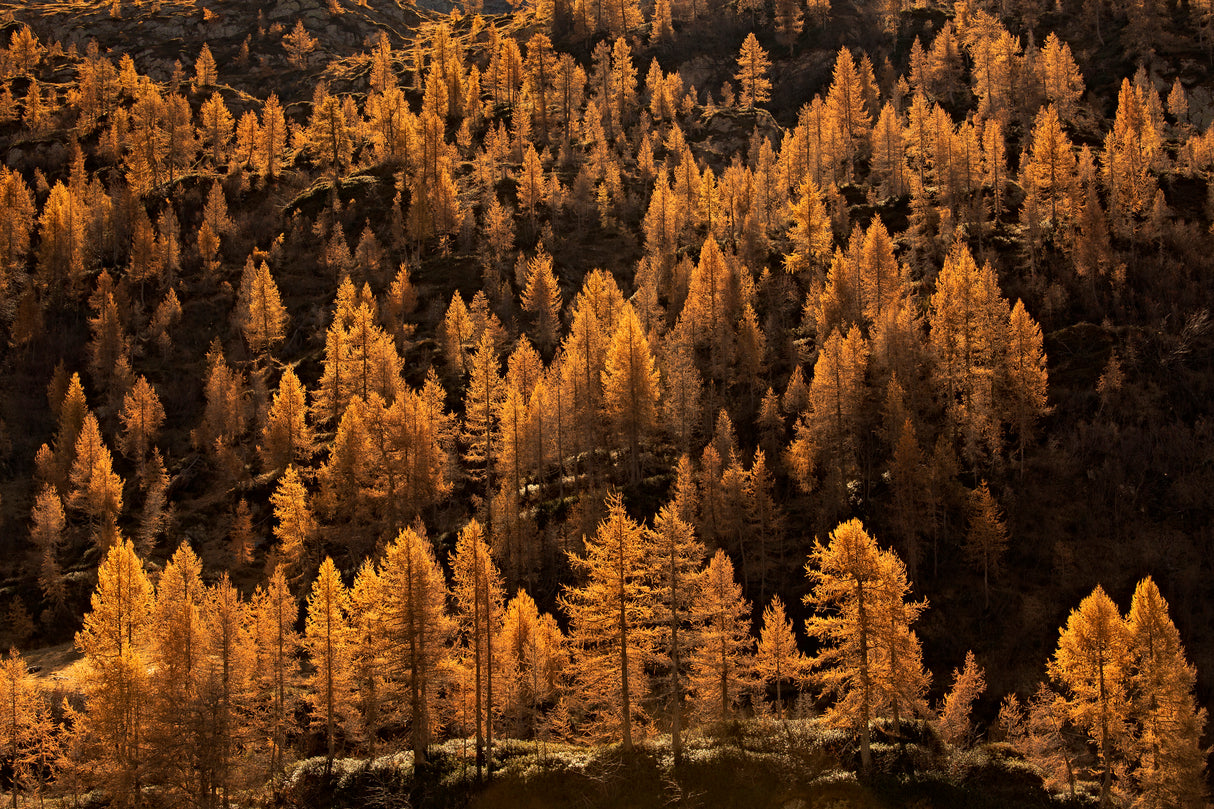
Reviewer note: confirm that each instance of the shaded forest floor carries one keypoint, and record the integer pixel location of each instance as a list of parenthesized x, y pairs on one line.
[(753, 763)]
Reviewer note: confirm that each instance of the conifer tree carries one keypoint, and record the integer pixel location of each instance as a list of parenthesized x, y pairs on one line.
[(1092, 664), (411, 593), (479, 595), (1025, 376), (676, 559), (96, 489), (114, 642), (720, 663), (327, 638), (271, 142), (295, 527), (22, 719), (810, 234), (287, 438), (870, 657), (846, 104), (968, 684), (630, 384), (777, 658), (275, 612), (484, 393), (754, 88), (259, 310), (986, 541), (177, 734), (216, 129), (611, 618), (227, 683), (836, 397), (46, 534), (1170, 766), (968, 318), (142, 416), (542, 299)]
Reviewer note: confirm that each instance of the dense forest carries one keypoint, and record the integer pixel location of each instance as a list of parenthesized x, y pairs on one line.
[(572, 401)]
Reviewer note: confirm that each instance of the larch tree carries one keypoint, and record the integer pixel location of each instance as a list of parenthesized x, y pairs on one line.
[(287, 438), (216, 129), (295, 526), (630, 384), (416, 628), (754, 88), (96, 490), (177, 734), (534, 653), (1131, 150), (1049, 169), (869, 658), (836, 398), (259, 310), (611, 617), (227, 682), (777, 658), (46, 535), (789, 20), (63, 248), (276, 666), (22, 713), (542, 299), (1092, 664), (114, 641), (810, 233), (479, 596), (845, 100), (1024, 377), (327, 639), (1169, 770), (675, 569), (142, 416), (968, 684), (986, 540), (968, 320), (720, 663), (481, 400), (270, 145)]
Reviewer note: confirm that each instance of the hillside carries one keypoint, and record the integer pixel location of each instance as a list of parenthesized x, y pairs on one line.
[(354, 280)]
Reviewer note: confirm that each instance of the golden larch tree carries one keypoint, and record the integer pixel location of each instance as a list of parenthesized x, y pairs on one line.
[(869, 658), (720, 663), (777, 658), (675, 569), (22, 714), (542, 299), (287, 438), (1092, 663), (295, 526), (259, 310), (114, 641), (1169, 761), (142, 416), (414, 632), (611, 617), (276, 667), (986, 541), (968, 684), (754, 88), (810, 234), (177, 734), (479, 596), (328, 641), (630, 384)]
